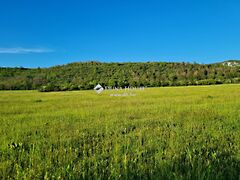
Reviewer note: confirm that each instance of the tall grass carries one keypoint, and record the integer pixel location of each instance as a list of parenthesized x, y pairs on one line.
[(161, 133)]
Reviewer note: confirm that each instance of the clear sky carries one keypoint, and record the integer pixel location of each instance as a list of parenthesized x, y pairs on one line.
[(43, 33)]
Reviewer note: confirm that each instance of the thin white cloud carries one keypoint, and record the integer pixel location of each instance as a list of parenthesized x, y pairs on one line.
[(20, 50)]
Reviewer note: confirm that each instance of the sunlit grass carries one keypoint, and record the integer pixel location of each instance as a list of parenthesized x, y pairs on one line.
[(175, 132)]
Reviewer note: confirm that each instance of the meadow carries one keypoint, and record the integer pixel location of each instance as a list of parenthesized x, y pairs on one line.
[(161, 133)]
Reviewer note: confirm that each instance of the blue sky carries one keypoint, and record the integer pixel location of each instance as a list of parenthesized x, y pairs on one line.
[(43, 33)]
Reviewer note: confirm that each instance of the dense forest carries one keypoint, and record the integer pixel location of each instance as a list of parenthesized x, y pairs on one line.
[(85, 75)]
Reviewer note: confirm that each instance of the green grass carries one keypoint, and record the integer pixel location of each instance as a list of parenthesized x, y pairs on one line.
[(161, 133)]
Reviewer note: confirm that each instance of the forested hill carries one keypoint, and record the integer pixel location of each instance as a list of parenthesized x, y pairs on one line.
[(85, 75)]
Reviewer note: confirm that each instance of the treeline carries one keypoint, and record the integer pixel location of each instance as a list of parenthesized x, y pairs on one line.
[(85, 75)]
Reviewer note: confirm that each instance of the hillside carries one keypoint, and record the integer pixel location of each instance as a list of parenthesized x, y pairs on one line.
[(85, 75), (231, 63)]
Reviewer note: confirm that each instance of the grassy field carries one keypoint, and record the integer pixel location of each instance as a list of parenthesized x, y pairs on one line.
[(161, 133)]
